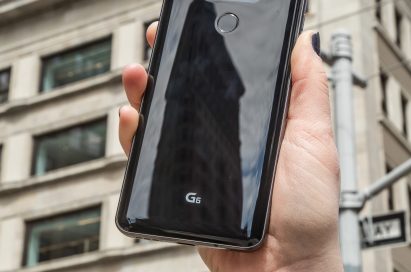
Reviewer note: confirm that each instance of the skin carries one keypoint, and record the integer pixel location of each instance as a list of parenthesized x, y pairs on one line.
[(303, 230)]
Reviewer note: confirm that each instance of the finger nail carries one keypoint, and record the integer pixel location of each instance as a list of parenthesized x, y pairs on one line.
[(316, 40)]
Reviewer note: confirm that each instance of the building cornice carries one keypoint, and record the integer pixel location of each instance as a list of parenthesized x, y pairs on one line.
[(77, 88), (98, 165), (401, 61), (98, 257), (11, 10), (396, 135)]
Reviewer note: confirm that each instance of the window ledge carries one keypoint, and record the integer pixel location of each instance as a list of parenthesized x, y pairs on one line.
[(393, 46), (99, 256), (63, 173), (62, 92), (12, 10), (389, 126)]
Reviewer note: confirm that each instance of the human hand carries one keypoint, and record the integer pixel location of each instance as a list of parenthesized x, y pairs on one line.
[(303, 230)]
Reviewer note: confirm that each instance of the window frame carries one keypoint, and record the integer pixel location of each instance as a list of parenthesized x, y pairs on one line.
[(60, 130), (69, 50), (60, 214)]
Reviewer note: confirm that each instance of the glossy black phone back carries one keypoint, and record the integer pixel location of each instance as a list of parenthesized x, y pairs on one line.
[(202, 162)]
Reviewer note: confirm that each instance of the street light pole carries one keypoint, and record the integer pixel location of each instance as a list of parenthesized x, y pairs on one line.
[(342, 77)]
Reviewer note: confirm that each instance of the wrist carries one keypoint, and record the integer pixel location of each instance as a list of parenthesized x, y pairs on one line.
[(325, 263)]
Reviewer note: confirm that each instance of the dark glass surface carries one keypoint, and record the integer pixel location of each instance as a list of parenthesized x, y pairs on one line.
[(211, 123), (4, 85)]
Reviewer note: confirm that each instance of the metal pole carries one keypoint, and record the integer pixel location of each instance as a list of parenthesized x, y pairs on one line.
[(341, 52), (386, 181)]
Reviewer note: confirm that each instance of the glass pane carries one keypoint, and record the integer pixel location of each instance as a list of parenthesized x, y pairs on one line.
[(63, 236), (69, 147), (4, 85), (75, 65)]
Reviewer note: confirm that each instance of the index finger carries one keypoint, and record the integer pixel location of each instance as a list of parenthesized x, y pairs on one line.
[(135, 76), (151, 33)]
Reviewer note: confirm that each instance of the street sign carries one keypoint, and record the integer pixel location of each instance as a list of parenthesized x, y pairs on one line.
[(384, 230)]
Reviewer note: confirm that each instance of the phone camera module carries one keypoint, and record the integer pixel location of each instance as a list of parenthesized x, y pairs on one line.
[(227, 23)]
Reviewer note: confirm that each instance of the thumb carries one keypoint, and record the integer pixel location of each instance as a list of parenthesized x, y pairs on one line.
[(309, 123), (310, 95)]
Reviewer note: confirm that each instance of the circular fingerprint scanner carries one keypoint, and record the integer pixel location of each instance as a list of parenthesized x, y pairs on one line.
[(227, 23)]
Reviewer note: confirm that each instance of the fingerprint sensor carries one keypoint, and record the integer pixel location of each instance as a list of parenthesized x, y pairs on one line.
[(227, 23)]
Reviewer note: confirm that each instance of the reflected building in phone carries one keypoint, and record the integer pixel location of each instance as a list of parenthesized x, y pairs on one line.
[(199, 147)]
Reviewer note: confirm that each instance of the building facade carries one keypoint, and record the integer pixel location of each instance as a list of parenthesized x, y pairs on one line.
[(381, 37), (61, 165)]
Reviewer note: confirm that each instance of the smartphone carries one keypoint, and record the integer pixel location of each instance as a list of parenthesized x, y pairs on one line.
[(203, 158)]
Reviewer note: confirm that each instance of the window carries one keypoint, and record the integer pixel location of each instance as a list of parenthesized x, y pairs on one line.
[(1, 159), (409, 198), (4, 85), (378, 10), (147, 49), (307, 7), (383, 82), (70, 146), (62, 236), (398, 23), (404, 106), (76, 64), (391, 199)]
